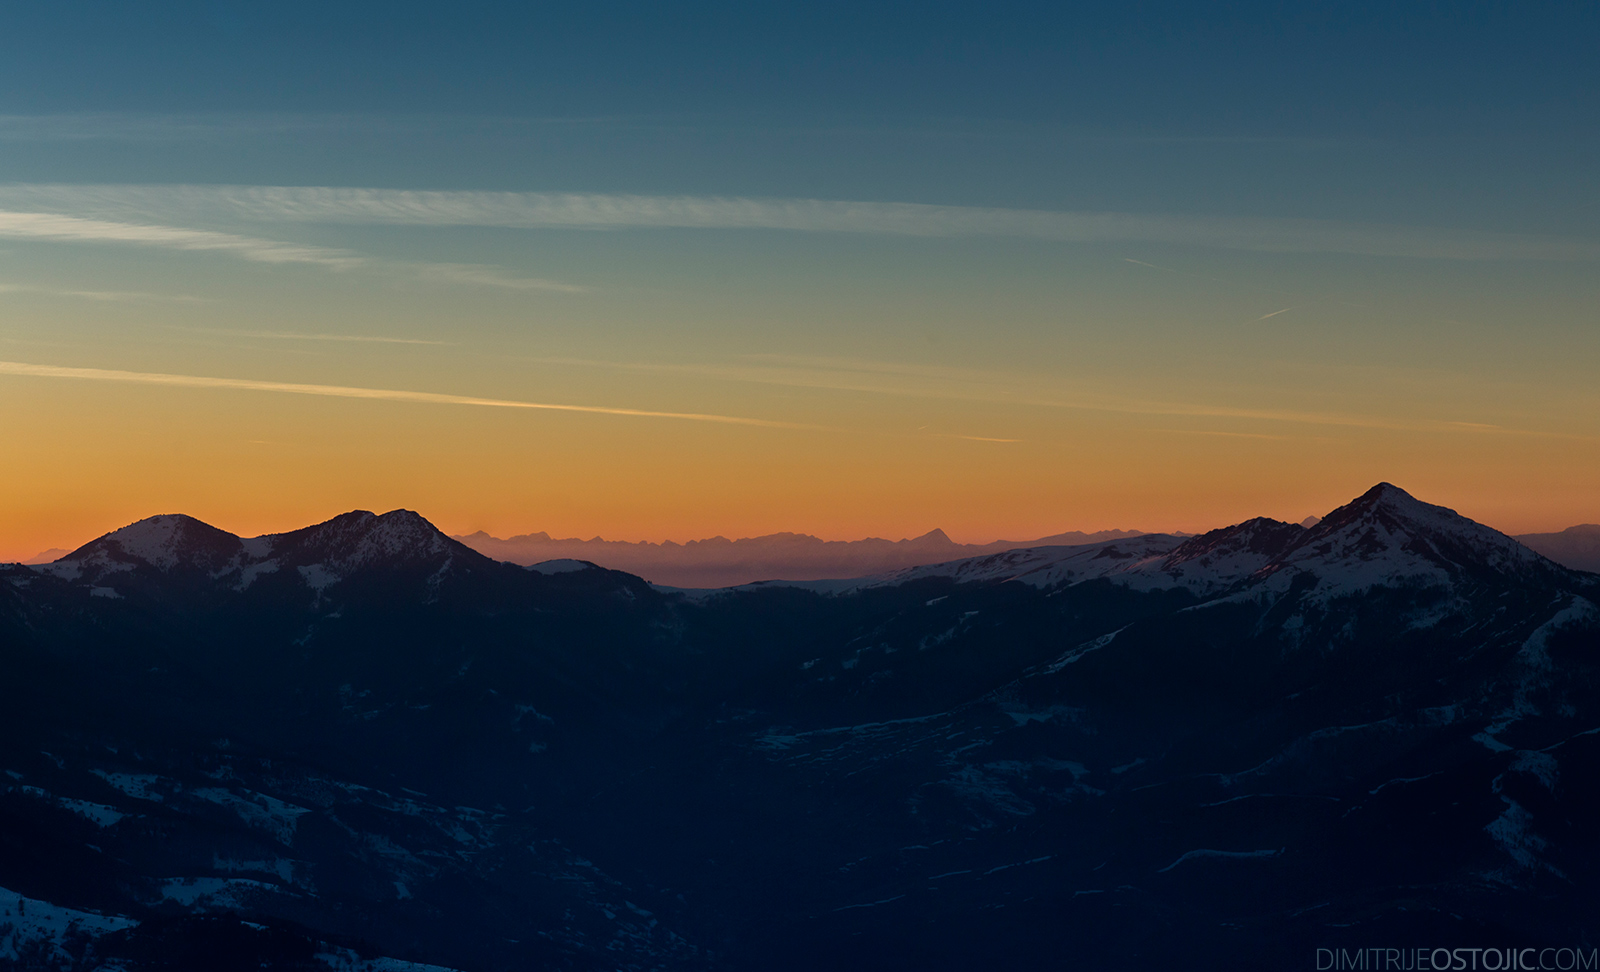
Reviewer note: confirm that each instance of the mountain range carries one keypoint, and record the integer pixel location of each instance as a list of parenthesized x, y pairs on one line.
[(720, 562), (364, 745)]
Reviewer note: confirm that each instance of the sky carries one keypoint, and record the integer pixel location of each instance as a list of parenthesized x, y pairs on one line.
[(668, 271)]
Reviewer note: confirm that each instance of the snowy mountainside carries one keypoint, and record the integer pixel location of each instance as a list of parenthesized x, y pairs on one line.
[(353, 540), (1046, 566), (38, 934), (1385, 537), (1148, 753), (314, 557), (162, 542)]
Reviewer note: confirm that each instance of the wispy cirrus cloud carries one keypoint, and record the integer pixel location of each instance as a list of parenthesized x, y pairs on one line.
[(481, 276), (966, 384), (76, 229), (66, 228), (109, 296), (297, 336), (540, 210), (24, 369)]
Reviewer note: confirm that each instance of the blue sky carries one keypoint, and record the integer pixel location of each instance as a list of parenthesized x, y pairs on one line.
[(1293, 69)]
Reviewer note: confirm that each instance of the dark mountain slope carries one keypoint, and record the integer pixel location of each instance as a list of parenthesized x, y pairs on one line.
[(1145, 753)]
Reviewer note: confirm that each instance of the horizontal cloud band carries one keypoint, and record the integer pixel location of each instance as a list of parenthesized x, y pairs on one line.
[(342, 391), (71, 229), (62, 228), (597, 211)]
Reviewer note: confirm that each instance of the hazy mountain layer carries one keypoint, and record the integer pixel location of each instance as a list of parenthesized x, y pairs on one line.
[(720, 562), (1576, 547)]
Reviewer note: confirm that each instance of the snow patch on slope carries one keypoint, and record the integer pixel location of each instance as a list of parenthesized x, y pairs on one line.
[(27, 922)]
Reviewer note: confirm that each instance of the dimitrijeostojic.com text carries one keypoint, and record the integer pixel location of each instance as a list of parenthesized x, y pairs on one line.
[(1456, 959)]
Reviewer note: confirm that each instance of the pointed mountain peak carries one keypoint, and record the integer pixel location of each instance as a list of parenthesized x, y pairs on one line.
[(163, 542), (1389, 496), (1386, 535), (934, 536), (1385, 490), (1392, 505)]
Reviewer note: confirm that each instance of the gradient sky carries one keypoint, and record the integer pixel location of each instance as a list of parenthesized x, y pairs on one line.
[(845, 269)]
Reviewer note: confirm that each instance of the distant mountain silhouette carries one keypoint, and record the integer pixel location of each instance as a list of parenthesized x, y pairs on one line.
[(1576, 547), (720, 562)]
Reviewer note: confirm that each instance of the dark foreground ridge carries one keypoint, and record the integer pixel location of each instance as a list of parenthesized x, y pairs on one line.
[(364, 745)]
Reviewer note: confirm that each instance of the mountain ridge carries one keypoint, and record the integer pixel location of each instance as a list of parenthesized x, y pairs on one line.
[(1152, 752), (168, 540), (717, 562), (359, 537), (1385, 536)]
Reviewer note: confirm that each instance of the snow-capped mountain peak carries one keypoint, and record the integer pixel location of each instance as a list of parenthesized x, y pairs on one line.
[(1388, 536), (323, 554), (163, 542), (362, 538)]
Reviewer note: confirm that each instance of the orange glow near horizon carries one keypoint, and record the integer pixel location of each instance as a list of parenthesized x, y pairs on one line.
[(743, 383), (100, 455)]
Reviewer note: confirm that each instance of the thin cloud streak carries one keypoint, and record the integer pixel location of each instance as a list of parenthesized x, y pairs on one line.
[(59, 228), (74, 229), (381, 394), (1230, 435), (110, 296), (466, 273), (820, 373), (292, 336), (538, 210), (996, 388), (1273, 314)]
